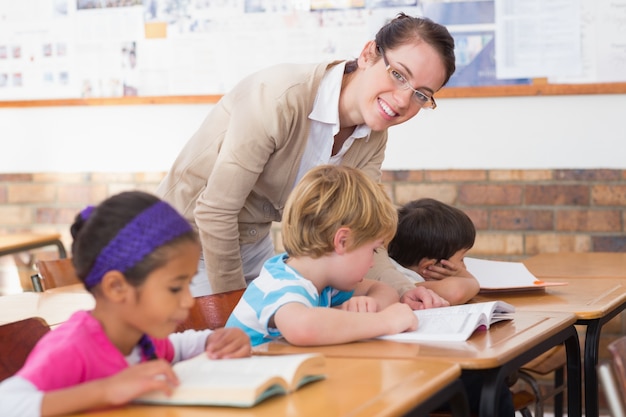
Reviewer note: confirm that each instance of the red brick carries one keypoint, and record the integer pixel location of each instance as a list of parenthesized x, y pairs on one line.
[(521, 220), (403, 175), (455, 175), (520, 175), (479, 217), (16, 177), (31, 193), (615, 243), (608, 195), (489, 244), (508, 195), (405, 192), (555, 242), (587, 174), (589, 220), (560, 195), (83, 194)]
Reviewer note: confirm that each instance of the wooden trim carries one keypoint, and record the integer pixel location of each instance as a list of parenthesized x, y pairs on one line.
[(538, 88)]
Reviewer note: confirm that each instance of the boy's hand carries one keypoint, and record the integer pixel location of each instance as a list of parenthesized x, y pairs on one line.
[(360, 304), (420, 298), (400, 317), (444, 269), (227, 343)]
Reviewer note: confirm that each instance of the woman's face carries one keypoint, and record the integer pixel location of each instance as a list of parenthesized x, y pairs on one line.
[(383, 103)]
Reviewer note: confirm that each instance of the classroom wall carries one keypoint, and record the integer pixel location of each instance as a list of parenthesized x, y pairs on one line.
[(569, 132)]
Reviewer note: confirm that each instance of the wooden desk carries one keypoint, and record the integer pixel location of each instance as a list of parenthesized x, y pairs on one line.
[(578, 265), (355, 387), (495, 353), (594, 302), (22, 242)]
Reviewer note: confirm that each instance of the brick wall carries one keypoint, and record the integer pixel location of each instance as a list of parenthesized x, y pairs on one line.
[(517, 213)]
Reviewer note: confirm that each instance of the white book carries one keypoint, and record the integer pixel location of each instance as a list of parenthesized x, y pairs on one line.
[(241, 382), (54, 307), (505, 276), (454, 323)]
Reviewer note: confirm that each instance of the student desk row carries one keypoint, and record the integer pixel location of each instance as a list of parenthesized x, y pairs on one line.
[(495, 354), (353, 387), (596, 292), (22, 242)]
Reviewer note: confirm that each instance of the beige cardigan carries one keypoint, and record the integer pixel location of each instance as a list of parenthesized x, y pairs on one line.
[(232, 178)]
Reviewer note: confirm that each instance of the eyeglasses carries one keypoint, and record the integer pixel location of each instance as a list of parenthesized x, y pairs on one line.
[(402, 83)]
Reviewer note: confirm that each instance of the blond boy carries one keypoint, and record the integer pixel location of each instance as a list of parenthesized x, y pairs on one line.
[(315, 294)]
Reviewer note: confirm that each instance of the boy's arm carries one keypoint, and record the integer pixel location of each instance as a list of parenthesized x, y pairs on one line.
[(417, 298), (302, 325), (383, 294), (450, 280), (457, 290)]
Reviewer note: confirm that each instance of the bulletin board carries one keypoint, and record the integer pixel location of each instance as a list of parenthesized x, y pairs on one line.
[(125, 52)]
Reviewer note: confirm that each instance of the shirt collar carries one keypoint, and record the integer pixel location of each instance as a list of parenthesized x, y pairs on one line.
[(326, 105)]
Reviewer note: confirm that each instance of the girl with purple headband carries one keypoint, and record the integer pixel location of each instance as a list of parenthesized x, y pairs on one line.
[(137, 256)]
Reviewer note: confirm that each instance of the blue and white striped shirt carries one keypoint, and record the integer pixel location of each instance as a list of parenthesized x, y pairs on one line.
[(277, 285)]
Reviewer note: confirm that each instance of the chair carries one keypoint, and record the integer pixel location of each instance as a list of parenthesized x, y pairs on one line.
[(54, 273), (611, 389), (17, 339), (211, 311), (554, 360), (613, 377)]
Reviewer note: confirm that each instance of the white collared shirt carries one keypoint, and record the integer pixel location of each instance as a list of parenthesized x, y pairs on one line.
[(325, 125)]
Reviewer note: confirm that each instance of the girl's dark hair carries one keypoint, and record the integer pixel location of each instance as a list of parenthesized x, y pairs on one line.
[(93, 234), (404, 29), (430, 229)]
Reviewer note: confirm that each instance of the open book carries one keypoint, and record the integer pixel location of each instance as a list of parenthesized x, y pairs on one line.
[(504, 276), (454, 323), (54, 307), (241, 382)]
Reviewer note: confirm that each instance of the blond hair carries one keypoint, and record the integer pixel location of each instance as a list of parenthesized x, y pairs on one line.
[(329, 197)]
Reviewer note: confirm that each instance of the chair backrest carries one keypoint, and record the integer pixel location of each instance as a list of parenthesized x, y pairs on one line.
[(17, 339), (617, 348), (57, 273), (610, 386), (211, 311)]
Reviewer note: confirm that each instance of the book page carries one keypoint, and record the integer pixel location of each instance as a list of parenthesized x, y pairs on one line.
[(454, 323), (493, 275), (240, 382), (57, 307)]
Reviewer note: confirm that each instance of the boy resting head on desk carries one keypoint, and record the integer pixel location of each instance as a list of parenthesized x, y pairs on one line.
[(428, 250), (334, 221)]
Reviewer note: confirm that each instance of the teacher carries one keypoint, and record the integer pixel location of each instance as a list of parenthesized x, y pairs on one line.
[(232, 178)]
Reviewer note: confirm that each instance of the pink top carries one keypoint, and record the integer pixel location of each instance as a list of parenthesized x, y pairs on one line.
[(78, 351)]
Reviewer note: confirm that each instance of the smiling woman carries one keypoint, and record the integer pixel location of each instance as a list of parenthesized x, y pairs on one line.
[(234, 175)]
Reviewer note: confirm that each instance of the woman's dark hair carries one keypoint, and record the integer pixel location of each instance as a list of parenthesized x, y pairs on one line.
[(430, 229), (92, 234), (404, 29)]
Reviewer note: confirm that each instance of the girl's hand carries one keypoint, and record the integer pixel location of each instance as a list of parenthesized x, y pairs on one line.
[(360, 304), (227, 343), (125, 386)]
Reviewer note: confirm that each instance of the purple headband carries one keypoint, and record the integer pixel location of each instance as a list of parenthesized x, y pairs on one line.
[(153, 227)]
